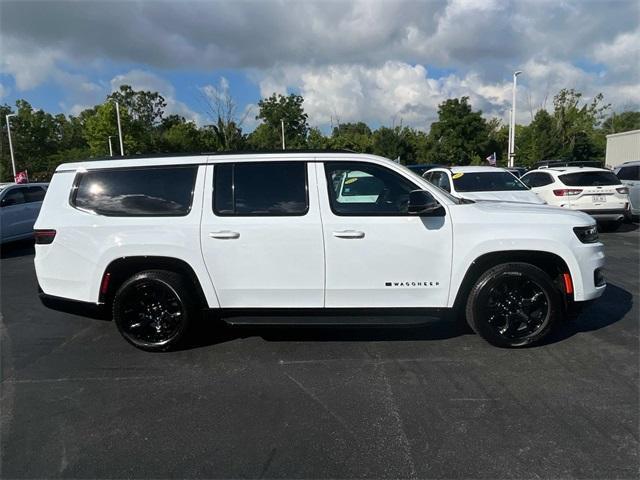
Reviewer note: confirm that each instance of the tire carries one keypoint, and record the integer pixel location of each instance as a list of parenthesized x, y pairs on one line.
[(153, 310), (514, 305)]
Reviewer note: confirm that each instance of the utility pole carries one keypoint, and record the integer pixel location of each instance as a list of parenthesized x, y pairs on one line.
[(282, 128), (512, 126), (119, 129), (110, 147), (13, 160)]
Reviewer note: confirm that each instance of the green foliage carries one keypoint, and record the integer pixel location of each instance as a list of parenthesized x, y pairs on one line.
[(574, 130), (274, 110), (459, 135)]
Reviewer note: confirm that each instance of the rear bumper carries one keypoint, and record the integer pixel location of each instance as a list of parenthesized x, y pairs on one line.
[(607, 214), (75, 307)]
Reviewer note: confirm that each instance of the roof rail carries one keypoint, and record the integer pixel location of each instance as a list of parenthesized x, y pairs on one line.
[(200, 154)]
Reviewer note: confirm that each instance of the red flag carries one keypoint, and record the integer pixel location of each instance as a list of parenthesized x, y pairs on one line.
[(22, 177)]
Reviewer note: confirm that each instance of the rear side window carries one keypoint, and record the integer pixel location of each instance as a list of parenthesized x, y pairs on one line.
[(260, 188), (629, 173), (136, 192), (15, 196), (35, 194), (533, 180), (589, 179)]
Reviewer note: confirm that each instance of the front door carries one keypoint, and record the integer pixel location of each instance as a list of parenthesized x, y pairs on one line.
[(261, 234), (377, 254)]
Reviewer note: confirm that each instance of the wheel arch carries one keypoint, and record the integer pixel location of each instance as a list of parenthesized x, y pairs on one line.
[(551, 263), (120, 269)]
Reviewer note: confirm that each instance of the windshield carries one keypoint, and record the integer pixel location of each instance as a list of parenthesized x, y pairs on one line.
[(589, 179), (453, 199), (486, 182)]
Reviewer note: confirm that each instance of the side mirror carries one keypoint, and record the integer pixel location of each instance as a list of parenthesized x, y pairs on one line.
[(422, 202)]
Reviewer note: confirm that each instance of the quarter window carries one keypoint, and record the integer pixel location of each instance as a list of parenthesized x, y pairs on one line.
[(136, 192), (35, 194), (260, 188), (364, 189)]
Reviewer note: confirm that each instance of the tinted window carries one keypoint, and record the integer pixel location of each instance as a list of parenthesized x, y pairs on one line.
[(357, 188), (35, 194), (589, 179), (537, 179), (629, 173), (262, 188), (159, 191), (14, 196), (486, 182)]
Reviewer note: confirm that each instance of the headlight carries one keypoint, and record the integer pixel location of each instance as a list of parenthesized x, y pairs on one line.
[(587, 234)]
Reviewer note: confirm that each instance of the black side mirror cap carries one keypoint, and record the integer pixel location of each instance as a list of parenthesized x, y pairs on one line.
[(422, 202)]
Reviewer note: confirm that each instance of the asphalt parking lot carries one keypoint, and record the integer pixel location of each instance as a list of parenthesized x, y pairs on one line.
[(423, 402)]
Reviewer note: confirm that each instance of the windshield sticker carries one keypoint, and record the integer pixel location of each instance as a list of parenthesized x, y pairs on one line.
[(350, 180), (457, 175)]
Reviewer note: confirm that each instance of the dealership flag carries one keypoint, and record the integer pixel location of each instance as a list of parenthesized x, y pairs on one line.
[(22, 177), (492, 159)]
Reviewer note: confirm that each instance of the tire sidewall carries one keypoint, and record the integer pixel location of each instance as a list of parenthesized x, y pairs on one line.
[(481, 290), (167, 280)]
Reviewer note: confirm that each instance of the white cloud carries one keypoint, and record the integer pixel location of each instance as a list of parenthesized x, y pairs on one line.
[(622, 54), (142, 80)]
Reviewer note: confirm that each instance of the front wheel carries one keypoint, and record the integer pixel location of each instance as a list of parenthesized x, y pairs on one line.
[(513, 305), (153, 309)]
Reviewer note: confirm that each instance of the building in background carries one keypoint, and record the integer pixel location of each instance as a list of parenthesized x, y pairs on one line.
[(622, 147)]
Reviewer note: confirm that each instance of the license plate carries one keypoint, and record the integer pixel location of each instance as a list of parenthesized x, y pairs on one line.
[(599, 198)]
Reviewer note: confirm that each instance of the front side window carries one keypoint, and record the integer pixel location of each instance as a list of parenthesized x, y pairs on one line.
[(486, 182), (136, 192), (15, 196), (357, 188), (589, 179), (629, 173), (260, 188)]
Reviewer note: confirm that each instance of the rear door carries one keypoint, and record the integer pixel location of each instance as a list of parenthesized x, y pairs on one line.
[(378, 255), (261, 234)]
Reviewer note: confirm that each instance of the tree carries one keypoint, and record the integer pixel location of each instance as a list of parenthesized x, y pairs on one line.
[(621, 122), (274, 110), (352, 136), (460, 135), (225, 133), (103, 123), (394, 143)]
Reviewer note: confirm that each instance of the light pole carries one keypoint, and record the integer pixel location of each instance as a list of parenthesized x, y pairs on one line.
[(119, 129), (13, 160), (282, 128), (110, 147), (512, 126)]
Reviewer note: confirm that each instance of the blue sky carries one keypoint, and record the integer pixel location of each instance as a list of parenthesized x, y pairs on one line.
[(379, 61)]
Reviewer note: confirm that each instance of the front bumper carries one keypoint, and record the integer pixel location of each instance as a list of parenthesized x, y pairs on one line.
[(591, 260)]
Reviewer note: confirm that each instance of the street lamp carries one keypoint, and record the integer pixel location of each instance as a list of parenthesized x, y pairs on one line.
[(512, 125), (119, 129), (282, 128), (110, 147), (13, 160)]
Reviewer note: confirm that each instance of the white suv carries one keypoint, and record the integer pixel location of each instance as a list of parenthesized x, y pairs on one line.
[(157, 240), (482, 183), (595, 191)]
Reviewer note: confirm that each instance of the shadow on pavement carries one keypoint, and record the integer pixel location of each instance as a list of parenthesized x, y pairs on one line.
[(19, 248), (614, 304)]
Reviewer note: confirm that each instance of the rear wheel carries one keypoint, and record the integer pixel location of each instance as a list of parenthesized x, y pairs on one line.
[(513, 305), (153, 309)]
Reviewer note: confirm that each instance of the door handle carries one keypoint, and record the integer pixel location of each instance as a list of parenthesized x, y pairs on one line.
[(348, 234), (224, 235)]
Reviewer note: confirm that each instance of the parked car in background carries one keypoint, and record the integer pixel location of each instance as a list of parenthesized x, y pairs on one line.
[(517, 171), (19, 208), (420, 168), (629, 175), (482, 183), (595, 191)]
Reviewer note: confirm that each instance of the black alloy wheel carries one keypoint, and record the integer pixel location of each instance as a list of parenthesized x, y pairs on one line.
[(513, 305), (153, 309)]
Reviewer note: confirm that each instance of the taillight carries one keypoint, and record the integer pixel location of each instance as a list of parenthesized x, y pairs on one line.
[(567, 192), (623, 190), (44, 237)]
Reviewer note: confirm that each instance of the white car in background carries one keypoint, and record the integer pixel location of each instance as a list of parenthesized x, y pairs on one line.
[(629, 174), (595, 191), (482, 183), (19, 208)]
